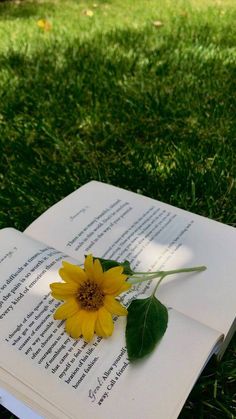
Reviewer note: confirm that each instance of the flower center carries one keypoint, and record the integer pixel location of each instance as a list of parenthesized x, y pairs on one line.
[(90, 296)]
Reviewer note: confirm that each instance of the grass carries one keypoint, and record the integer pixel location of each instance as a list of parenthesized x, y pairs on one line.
[(115, 98)]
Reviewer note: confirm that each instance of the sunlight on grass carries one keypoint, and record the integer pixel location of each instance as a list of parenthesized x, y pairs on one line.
[(137, 94), (18, 20)]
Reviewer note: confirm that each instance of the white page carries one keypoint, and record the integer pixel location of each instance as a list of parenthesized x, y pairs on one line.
[(87, 380), (22, 400), (161, 383), (88, 221), (16, 406)]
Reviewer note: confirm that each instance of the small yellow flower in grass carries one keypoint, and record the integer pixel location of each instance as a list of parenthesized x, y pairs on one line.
[(88, 13), (89, 298), (44, 24)]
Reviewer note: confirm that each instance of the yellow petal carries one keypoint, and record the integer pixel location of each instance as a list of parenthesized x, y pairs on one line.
[(60, 297), (104, 322), (113, 272), (73, 326), (88, 319), (97, 271), (67, 277), (98, 329), (123, 288), (67, 309), (88, 266), (72, 273), (114, 307), (113, 282), (65, 290)]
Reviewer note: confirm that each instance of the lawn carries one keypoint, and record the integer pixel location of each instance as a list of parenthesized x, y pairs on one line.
[(140, 94)]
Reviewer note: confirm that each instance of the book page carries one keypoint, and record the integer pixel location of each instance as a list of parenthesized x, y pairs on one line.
[(79, 379), (113, 223), (16, 406)]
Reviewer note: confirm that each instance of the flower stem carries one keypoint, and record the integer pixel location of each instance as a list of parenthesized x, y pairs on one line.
[(145, 273), (176, 271), (136, 279), (157, 285)]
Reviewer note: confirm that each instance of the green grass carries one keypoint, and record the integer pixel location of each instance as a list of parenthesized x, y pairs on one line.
[(114, 98)]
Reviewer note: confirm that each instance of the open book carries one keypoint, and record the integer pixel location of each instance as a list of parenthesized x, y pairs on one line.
[(45, 373)]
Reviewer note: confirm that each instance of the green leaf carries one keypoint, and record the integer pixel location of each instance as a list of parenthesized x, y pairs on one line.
[(146, 324), (109, 263)]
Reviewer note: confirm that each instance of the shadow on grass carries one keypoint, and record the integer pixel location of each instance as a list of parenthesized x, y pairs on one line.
[(145, 113), (10, 10), (150, 114)]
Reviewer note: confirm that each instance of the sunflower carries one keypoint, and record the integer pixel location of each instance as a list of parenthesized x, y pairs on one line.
[(89, 298)]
